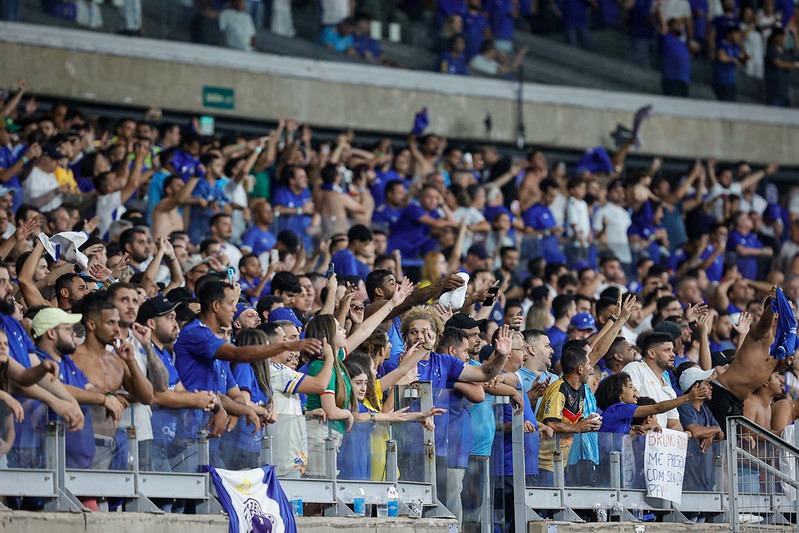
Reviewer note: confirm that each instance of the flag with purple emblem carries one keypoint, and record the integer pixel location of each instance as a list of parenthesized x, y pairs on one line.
[(253, 500)]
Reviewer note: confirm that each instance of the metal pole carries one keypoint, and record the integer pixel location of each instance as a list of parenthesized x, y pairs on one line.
[(517, 446), (732, 467), (795, 459), (204, 507), (615, 470), (426, 401), (391, 461), (266, 450), (330, 455), (485, 506)]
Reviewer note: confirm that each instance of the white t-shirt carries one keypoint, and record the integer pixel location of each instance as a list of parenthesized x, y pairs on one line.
[(673, 9), (757, 204), (719, 190), (656, 387), (558, 208), (334, 11), (233, 253), (484, 65), (290, 448), (617, 220), (238, 28), (109, 209), (40, 183), (472, 216), (578, 223)]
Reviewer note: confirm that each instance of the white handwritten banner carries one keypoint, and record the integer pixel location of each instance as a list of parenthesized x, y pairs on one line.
[(664, 464)]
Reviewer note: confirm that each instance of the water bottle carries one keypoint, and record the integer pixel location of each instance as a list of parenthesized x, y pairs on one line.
[(392, 502), (359, 503), (296, 505)]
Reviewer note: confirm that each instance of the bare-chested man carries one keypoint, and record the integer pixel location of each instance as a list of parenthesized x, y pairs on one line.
[(112, 372), (335, 206), (757, 407), (751, 368), (166, 217)]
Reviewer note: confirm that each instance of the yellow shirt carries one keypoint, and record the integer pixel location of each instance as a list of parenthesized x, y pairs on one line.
[(560, 403), (65, 176)]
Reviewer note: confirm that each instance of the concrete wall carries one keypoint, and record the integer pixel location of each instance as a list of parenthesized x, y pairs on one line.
[(142, 72), (25, 522)]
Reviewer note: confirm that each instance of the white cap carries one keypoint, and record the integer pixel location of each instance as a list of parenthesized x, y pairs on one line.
[(692, 375)]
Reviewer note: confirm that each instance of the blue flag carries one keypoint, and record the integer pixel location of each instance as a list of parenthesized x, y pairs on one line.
[(595, 160), (254, 500), (785, 337), (420, 122)]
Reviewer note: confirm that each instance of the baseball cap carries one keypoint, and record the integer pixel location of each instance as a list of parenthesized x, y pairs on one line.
[(722, 358), (5, 190), (240, 308), (284, 313), (478, 250), (693, 374), (51, 150), (193, 262), (583, 321), (462, 321), (50, 317), (155, 307), (670, 328)]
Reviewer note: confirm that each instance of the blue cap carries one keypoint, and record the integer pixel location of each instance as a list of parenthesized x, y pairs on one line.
[(583, 321), (284, 313), (240, 308)]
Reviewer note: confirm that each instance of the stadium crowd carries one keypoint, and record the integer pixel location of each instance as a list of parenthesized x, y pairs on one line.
[(168, 281), (757, 40)]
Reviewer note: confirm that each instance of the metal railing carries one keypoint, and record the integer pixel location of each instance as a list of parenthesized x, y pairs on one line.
[(60, 488), (749, 481), (762, 476)]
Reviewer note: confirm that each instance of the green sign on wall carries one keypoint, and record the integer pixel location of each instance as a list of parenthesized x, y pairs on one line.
[(219, 97)]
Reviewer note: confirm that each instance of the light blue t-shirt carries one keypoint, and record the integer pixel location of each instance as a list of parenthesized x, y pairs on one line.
[(484, 423), (585, 446)]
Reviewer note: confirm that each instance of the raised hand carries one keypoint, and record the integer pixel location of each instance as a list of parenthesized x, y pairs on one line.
[(744, 324), (538, 389), (627, 307), (403, 291), (125, 351), (692, 312), (445, 312), (705, 321), (327, 350), (25, 230), (452, 282), (142, 333), (503, 343)]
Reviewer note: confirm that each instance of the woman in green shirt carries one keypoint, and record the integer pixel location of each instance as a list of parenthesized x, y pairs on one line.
[(338, 400)]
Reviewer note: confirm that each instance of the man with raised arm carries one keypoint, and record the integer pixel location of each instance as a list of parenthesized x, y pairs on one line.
[(750, 369)]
